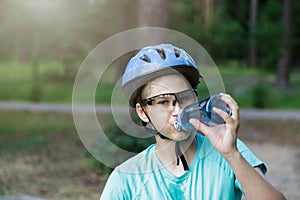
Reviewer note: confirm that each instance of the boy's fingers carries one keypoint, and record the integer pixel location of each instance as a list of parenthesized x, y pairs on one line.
[(224, 115), (199, 126), (232, 104)]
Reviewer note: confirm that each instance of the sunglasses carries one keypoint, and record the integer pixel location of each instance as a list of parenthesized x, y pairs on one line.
[(167, 101)]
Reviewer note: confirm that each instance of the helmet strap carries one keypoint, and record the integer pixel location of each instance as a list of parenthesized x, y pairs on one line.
[(153, 130), (180, 155), (178, 152)]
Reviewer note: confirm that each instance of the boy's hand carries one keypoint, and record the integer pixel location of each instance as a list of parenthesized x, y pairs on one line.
[(223, 136)]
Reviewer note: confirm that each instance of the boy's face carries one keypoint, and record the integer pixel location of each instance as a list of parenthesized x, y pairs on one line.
[(163, 111)]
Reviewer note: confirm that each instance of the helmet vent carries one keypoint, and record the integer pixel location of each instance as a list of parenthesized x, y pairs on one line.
[(145, 58), (177, 53), (161, 53)]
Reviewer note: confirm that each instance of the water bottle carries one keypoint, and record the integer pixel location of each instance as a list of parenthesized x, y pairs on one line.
[(203, 112)]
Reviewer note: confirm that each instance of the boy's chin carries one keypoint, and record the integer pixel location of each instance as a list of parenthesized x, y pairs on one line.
[(182, 136), (177, 135)]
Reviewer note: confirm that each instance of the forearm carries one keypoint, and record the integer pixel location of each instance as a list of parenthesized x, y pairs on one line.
[(254, 185)]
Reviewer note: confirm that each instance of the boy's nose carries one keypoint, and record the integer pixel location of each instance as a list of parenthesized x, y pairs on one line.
[(176, 106)]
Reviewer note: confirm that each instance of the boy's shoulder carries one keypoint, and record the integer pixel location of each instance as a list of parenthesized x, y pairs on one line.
[(144, 161)]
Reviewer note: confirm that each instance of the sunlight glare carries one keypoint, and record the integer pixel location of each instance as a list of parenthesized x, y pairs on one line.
[(43, 6)]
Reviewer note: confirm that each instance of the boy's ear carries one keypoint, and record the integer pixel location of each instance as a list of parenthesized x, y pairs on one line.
[(141, 113)]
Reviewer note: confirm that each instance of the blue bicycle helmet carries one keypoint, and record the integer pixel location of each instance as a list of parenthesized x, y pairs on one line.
[(154, 61)]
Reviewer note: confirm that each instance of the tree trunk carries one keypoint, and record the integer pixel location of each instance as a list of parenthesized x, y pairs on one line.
[(207, 8), (127, 16), (154, 13), (252, 56), (286, 50)]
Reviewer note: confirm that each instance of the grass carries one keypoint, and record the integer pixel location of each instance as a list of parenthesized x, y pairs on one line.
[(17, 84), (25, 132), (254, 88), (30, 133), (250, 87)]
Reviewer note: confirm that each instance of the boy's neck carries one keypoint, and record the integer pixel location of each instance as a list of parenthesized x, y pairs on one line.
[(165, 152)]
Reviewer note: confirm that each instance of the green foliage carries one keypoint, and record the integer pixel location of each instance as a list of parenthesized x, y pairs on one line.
[(57, 36), (255, 88), (238, 80), (228, 40), (260, 95), (225, 36), (93, 164), (296, 31), (269, 32), (24, 132), (125, 141), (228, 37), (65, 31), (229, 30), (28, 84), (122, 140)]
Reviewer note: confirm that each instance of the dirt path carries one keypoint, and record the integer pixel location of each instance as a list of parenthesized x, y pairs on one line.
[(276, 142), (283, 166), (54, 173)]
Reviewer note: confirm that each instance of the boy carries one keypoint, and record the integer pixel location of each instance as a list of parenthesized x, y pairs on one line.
[(209, 164)]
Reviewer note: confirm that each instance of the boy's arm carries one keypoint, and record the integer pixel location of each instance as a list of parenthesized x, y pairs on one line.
[(113, 188), (254, 183), (224, 139)]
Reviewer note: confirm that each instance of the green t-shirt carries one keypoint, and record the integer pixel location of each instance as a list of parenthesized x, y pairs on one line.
[(209, 176)]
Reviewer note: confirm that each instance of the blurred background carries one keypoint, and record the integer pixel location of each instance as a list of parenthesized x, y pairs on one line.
[(255, 45)]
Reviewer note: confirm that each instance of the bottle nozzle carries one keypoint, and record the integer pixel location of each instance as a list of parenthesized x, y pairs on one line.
[(177, 125)]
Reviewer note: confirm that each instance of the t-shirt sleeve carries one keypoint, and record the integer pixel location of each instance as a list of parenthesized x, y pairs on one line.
[(113, 189), (251, 159)]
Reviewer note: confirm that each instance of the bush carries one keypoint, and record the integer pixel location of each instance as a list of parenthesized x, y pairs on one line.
[(260, 95), (123, 141)]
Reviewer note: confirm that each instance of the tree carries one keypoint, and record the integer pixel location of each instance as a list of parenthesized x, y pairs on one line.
[(252, 54), (153, 13), (127, 14), (207, 8), (286, 49)]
